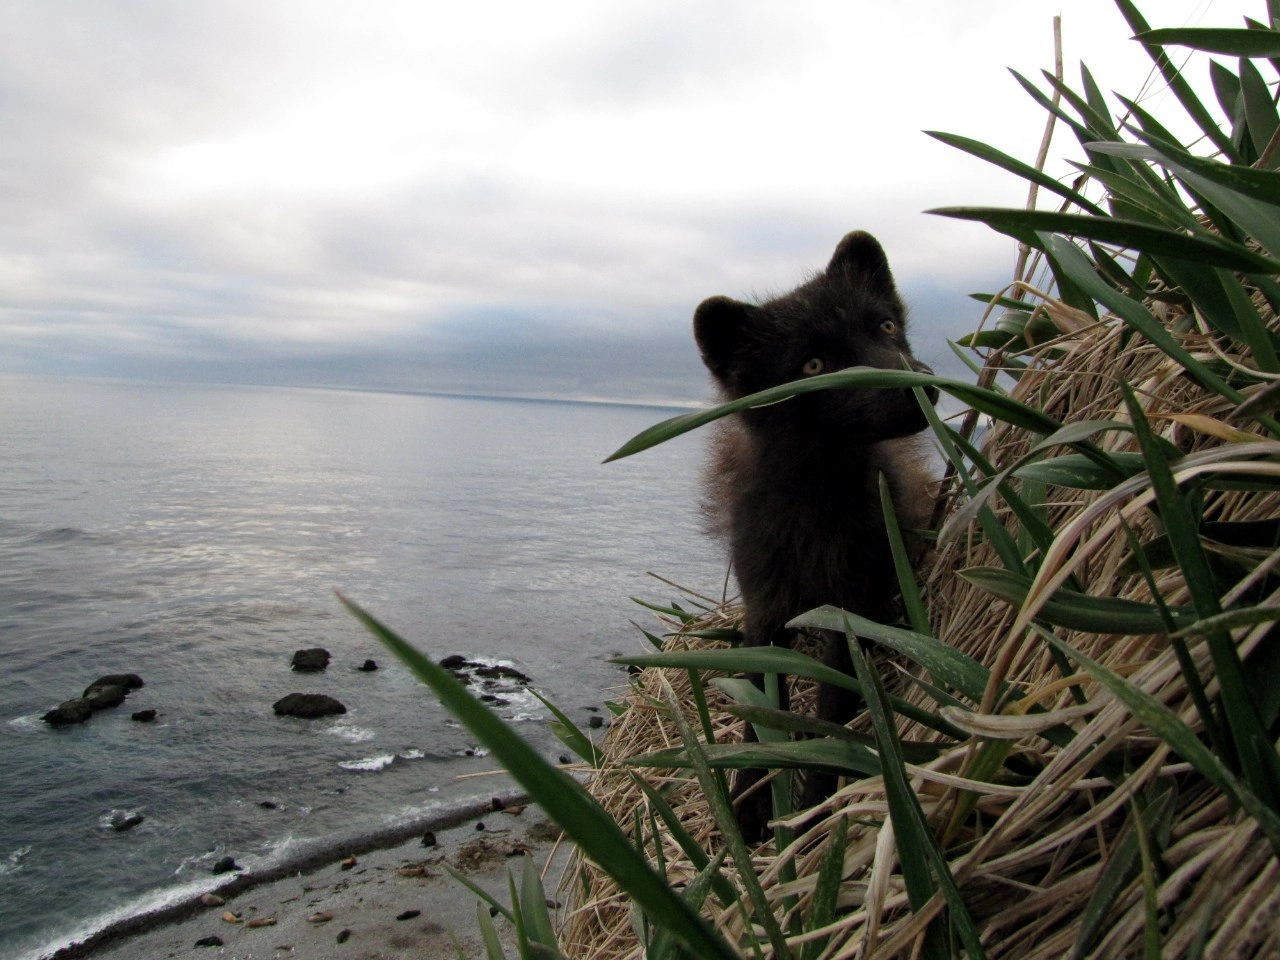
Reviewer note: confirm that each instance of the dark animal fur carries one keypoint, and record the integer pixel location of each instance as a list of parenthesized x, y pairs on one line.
[(794, 486)]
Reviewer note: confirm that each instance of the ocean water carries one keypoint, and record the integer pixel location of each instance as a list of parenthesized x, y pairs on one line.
[(195, 534)]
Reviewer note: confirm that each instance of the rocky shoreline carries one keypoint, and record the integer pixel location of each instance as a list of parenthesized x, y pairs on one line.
[(309, 899)]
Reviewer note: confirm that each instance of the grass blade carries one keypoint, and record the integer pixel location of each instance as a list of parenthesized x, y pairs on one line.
[(1233, 42), (562, 797), (918, 851), (947, 664), (1127, 234), (723, 812), (1079, 611)]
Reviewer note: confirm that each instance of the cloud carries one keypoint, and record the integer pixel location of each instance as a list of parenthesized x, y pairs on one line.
[(517, 194)]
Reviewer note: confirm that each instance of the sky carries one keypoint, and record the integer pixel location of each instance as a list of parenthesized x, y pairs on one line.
[(500, 197)]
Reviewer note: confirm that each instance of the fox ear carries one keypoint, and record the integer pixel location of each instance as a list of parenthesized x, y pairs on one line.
[(720, 325), (860, 259)]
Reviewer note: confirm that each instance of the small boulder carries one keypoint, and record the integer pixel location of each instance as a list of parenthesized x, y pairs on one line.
[(143, 716), (122, 820), (226, 865), (368, 666), (210, 941), (311, 661), (308, 706)]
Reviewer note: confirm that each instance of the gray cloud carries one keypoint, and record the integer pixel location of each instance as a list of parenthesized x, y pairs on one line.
[(502, 198)]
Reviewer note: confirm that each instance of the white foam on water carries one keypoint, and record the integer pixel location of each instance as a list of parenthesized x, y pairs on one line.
[(351, 733), (413, 754), (14, 861), (369, 764), (155, 900)]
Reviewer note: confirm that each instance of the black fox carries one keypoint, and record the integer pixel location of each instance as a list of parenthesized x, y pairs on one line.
[(793, 486)]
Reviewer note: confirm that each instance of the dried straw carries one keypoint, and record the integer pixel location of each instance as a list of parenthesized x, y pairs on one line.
[(1033, 854)]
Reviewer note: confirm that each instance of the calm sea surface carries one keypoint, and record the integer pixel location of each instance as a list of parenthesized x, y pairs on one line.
[(194, 535)]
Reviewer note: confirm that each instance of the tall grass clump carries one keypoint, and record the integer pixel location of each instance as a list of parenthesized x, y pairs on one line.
[(1069, 745)]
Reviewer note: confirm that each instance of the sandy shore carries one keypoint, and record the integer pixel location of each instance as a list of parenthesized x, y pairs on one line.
[(384, 899)]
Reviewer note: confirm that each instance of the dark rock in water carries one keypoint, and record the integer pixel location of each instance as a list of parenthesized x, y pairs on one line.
[(311, 661), (122, 820), (268, 805), (308, 706), (130, 681), (595, 722), (429, 838), (143, 716), (108, 691), (498, 672), (343, 936), (455, 662), (409, 915), (100, 697), (213, 941), (368, 666), (72, 711), (226, 865)]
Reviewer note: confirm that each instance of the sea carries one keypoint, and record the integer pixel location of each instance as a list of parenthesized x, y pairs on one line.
[(195, 535)]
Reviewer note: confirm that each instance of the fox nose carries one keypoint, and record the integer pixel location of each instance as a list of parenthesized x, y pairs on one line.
[(920, 367)]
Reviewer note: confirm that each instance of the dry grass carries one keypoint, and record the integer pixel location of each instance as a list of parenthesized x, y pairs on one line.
[(1028, 854)]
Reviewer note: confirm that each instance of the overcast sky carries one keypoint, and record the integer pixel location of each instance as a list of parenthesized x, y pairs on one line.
[(497, 197)]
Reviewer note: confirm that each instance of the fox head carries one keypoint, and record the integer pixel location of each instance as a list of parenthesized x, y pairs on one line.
[(847, 316)]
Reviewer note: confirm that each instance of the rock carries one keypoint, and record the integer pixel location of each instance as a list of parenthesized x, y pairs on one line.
[(455, 662), (268, 805), (72, 711), (311, 661), (409, 915), (226, 865), (122, 820), (211, 900), (595, 723), (308, 706), (348, 863), (209, 942), (497, 671), (261, 922), (343, 936), (368, 666), (130, 681), (143, 716), (429, 839), (322, 917), (105, 692)]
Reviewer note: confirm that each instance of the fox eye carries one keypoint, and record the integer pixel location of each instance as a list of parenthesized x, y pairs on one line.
[(889, 327), (813, 367)]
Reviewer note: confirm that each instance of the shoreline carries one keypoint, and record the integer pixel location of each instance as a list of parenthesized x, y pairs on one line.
[(305, 863)]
